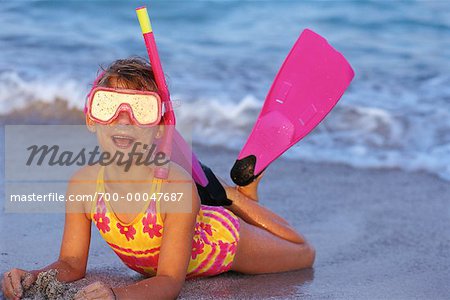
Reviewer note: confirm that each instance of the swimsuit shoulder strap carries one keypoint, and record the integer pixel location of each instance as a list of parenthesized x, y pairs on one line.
[(155, 190), (100, 180), (100, 188)]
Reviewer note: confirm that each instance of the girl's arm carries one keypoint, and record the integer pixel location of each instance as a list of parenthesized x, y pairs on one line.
[(175, 252), (71, 264), (72, 260)]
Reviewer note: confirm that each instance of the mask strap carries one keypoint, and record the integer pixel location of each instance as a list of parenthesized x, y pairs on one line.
[(94, 85)]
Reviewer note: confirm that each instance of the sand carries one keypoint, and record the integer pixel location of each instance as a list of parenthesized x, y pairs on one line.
[(48, 287), (379, 234)]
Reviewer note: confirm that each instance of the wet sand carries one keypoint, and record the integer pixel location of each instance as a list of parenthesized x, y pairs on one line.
[(379, 234)]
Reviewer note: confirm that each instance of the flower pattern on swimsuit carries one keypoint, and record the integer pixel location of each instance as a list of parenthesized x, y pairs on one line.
[(101, 219), (203, 230), (197, 248), (151, 226), (229, 247), (127, 231), (206, 228)]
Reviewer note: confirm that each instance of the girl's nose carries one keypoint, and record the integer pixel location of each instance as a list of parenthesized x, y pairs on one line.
[(123, 118)]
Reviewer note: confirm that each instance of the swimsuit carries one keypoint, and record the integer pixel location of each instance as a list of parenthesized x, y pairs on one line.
[(138, 243)]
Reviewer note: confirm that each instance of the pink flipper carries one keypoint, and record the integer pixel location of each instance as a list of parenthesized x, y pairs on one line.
[(308, 85)]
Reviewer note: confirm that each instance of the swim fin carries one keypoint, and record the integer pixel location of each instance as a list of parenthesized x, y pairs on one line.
[(308, 85), (213, 194)]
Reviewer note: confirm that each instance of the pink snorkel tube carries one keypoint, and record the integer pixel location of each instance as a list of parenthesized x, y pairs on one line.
[(163, 91), (183, 154)]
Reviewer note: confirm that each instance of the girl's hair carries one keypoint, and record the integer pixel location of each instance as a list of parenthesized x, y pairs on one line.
[(131, 73)]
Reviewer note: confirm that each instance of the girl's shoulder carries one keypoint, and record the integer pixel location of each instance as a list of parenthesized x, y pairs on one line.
[(81, 189)]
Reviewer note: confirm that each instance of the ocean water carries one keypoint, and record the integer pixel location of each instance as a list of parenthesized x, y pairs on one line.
[(220, 58)]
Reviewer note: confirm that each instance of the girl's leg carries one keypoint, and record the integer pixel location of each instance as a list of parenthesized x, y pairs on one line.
[(251, 190), (255, 214), (259, 251)]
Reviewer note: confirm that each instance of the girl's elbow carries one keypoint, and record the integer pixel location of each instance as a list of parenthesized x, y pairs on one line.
[(79, 276), (178, 288), (310, 255), (174, 287), (173, 293)]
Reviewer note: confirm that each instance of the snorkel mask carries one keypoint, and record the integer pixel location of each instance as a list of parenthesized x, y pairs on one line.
[(104, 105)]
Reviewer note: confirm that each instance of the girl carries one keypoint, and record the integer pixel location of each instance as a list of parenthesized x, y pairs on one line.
[(167, 241)]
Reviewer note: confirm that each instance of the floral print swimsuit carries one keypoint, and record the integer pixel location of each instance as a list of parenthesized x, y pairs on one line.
[(138, 243)]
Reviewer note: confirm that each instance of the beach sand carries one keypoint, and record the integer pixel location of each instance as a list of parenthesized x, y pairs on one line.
[(379, 234)]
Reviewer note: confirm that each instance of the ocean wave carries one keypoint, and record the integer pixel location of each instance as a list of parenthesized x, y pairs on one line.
[(18, 92), (360, 136), (396, 136)]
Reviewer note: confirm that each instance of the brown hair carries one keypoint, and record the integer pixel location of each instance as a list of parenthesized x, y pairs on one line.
[(131, 73)]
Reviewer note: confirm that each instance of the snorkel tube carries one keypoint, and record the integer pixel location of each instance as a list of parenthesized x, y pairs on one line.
[(161, 172), (183, 155)]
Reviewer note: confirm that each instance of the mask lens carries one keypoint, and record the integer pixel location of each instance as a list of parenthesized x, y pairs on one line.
[(145, 108), (104, 105)]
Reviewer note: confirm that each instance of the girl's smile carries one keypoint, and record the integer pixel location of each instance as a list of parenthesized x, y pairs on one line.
[(123, 141)]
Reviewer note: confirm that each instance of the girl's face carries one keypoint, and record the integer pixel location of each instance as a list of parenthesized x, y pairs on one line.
[(123, 134)]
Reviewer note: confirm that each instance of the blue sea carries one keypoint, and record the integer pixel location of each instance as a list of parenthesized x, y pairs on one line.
[(221, 57)]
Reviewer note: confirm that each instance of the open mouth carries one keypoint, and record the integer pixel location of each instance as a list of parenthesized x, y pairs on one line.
[(123, 141)]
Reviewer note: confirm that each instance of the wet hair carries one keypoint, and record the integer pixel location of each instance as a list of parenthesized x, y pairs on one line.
[(133, 73)]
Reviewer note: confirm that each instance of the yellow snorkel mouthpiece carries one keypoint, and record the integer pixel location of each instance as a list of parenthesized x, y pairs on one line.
[(144, 20)]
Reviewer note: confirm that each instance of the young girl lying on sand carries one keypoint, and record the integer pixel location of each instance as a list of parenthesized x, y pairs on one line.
[(161, 242)]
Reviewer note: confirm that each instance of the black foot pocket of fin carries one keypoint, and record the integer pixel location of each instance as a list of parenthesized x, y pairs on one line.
[(213, 194), (243, 171)]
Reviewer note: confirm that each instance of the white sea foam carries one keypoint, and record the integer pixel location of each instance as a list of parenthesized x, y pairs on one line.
[(17, 92), (414, 137)]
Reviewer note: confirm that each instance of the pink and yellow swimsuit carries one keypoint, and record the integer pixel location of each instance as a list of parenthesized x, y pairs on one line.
[(138, 243)]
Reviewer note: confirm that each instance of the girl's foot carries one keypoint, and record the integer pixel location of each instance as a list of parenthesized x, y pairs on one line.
[(251, 190)]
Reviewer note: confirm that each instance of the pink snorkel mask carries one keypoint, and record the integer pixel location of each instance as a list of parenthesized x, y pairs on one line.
[(104, 105)]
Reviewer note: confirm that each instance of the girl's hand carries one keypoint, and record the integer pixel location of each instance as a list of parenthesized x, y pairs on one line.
[(96, 290), (15, 281)]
